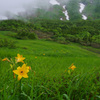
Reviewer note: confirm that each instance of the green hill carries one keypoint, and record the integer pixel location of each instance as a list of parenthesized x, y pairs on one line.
[(45, 59), (83, 32), (50, 76)]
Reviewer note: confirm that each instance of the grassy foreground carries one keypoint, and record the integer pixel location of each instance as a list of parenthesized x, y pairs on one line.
[(50, 77)]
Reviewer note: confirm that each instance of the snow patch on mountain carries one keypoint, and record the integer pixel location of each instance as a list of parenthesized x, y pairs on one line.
[(84, 17), (82, 6), (65, 12), (61, 18)]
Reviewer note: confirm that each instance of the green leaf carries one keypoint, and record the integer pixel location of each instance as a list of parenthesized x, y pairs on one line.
[(66, 96)]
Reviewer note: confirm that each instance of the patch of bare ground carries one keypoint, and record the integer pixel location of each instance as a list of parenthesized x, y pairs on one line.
[(43, 35)]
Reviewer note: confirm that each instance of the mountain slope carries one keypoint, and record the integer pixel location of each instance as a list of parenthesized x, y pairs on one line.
[(59, 9), (91, 10)]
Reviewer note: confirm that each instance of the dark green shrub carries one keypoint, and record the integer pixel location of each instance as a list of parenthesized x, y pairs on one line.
[(32, 36), (25, 34), (61, 40), (70, 37), (86, 36), (95, 39), (7, 43)]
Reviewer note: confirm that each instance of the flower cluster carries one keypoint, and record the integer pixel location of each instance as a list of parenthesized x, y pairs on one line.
[(21, 71), (72, 67), (19, 58)]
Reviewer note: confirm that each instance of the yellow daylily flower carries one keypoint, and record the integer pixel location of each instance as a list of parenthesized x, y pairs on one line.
[(44, 54), (22, 71), (72, 67), (19, 58), (6, 59)]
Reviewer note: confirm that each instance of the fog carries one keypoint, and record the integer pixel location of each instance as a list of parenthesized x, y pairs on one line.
[(10, 8), (13, 7)]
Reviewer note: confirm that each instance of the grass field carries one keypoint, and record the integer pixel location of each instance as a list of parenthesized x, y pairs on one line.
[(50, 77)]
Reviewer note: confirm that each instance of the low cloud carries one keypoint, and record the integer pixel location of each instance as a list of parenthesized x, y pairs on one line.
[(9, 8)]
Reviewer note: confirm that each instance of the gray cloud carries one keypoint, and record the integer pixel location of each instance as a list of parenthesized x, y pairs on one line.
[(13, 7)]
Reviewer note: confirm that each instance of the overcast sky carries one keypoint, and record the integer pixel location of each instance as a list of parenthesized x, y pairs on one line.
[(15, 6), (18, 5)]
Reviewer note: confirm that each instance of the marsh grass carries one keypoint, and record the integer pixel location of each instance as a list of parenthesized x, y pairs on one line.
[(49, 78)]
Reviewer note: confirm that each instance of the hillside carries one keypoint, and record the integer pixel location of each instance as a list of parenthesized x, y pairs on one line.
[(50, 76), (83, 32), (51, 54)]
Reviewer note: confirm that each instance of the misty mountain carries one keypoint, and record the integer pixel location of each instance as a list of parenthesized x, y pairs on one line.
[(62, 9)]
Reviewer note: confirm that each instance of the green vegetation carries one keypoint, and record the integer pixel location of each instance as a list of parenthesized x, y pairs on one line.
[(23, 30), (92, 9), (83, 32), (73, 10), (54, 13), (64, 65), (50, 77)]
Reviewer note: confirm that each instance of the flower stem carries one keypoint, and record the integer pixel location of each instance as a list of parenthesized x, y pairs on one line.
[(20, 90), (20, 86)]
